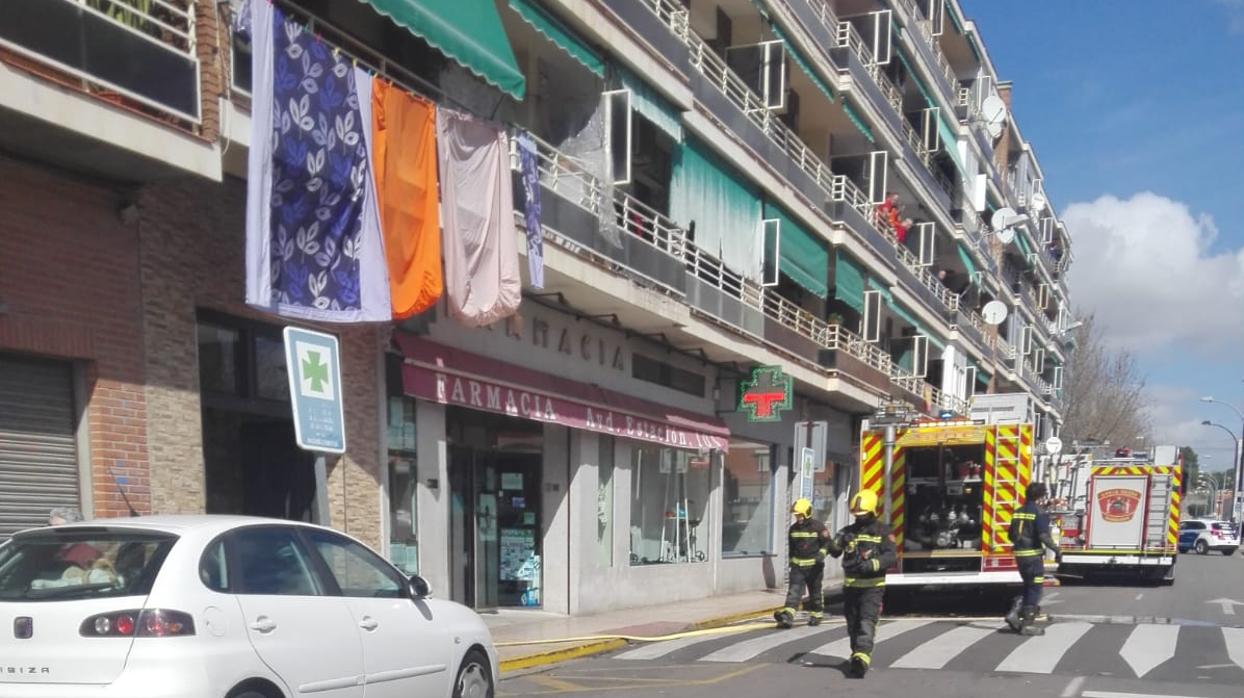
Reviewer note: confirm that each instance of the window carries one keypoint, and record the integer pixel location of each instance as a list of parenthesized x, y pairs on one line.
[(214, 567), (218, 359), (271, 374), (272, 562), (747, 519), (91, 563), (403, 486), (661, 373), (669, 505), (359, 572), (604, 502), (241, 358)]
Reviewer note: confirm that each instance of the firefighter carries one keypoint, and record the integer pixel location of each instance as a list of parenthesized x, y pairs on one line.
[(867, 551), (1030, 534), (808, 538)]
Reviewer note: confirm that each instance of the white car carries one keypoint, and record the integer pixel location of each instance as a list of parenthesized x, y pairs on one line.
[(1204, 535), (225, 607)]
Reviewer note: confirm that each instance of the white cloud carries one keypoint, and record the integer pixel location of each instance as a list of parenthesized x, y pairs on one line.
[(1144, 265)]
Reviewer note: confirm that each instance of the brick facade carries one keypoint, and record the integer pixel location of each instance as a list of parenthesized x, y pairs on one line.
[(69, 283), (192, 251)]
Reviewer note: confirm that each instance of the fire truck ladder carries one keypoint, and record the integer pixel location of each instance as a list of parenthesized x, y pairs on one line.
[(1159, 510), (1006, 482)]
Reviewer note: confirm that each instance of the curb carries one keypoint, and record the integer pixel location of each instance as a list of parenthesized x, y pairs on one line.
[(542, 659)]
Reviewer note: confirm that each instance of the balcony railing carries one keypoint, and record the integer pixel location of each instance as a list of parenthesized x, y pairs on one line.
[(140, 51), (949, 300), (925, 30), (571, 180), (1005, 348), (850, 38)]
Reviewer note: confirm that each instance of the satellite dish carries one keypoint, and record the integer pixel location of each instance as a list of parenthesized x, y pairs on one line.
[(1037, 203), (993, 114), (1006, 235), (994, 312)]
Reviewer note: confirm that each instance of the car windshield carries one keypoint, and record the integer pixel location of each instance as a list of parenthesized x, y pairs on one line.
[(81, 563)]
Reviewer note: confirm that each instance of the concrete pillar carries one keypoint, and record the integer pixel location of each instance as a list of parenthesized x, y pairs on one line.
[(433, 503)]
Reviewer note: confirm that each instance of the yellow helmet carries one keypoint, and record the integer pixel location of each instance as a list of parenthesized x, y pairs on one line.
[(864, 502), (802, 507)]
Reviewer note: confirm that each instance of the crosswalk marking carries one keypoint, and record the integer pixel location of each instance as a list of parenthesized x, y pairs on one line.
[(1149, 646), (749, 649), (938, 652), (1040, 654), (885, 631), (1234, 639), (656, 650)]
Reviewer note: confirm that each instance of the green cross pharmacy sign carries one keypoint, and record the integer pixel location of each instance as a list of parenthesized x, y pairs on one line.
[(314, 362)]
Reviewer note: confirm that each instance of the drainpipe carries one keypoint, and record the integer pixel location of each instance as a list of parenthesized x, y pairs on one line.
[(889, 465)]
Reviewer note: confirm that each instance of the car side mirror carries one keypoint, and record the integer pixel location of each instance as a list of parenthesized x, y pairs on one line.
[(419, 587)]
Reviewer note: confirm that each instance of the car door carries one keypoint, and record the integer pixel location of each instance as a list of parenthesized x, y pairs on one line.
[(1188, 534), (405, 651), (299, 629)]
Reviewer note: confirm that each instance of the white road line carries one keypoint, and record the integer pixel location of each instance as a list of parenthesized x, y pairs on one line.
[(1234, 639), (656, 650), (1073, 688), (749, 649), (886, 631), (1040, 654), (938, 652), (1114, 694), (1148, 646)]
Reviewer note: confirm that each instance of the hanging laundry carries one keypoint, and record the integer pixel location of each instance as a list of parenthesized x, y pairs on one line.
[(313, 242), (404, 161), (481, 255), (529, 166)]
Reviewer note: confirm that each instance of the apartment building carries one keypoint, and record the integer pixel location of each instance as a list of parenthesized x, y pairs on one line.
[(712, 176)]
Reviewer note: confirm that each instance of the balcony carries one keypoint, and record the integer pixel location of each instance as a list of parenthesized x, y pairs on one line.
[(927, 44), (104, 86), (629, 238)]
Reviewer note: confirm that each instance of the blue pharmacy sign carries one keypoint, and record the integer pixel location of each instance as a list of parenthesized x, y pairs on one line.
[(314, 363)]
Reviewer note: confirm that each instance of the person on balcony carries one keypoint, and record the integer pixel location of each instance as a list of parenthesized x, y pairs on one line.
[(888, 212)]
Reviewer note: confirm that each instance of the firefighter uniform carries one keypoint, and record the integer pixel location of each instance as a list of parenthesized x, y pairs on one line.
[(867, 551), (1030, 534), (807, 539)]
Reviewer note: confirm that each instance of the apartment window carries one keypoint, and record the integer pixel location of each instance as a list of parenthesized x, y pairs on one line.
[(403, 485), (747, 519), (669, 505), (653, 371)]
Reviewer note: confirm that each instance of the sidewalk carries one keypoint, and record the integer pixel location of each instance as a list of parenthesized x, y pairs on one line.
[(591, 634)]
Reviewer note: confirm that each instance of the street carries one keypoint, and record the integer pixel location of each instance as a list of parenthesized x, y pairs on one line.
[(1103, 641)]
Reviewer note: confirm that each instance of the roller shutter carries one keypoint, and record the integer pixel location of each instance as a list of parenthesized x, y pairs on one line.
[(38, 445)]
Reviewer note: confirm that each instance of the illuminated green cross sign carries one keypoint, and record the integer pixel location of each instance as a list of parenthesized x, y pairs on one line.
[(315, 371), (769, 393)]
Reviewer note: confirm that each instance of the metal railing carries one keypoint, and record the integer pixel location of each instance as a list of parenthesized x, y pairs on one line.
[(850, 38), (570, 179), (166, 22), (1005, 348), (917, 145), (925, 27), (949, 300)]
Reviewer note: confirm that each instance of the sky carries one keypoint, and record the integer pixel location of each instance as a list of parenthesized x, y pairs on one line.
[(1135, 109)]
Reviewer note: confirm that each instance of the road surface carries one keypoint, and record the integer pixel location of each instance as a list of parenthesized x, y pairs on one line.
[(1103, 641)]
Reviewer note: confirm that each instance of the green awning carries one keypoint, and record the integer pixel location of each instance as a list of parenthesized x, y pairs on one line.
[(1022, 241), (803, 63), (875, 285), (910, 319), (721, 202), (849, 282), (468, 31), (859, 123), (560, 34), (950, 143), (652, 106), (966, 258), (801, 256), (915, 77)]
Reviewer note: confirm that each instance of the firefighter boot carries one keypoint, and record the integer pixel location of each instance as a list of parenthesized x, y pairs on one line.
[(859, 665), (1013, 618), (1029, 626), (785, 618), (814, 618)]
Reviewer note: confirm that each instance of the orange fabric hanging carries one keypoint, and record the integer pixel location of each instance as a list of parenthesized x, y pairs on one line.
[(405, 168)]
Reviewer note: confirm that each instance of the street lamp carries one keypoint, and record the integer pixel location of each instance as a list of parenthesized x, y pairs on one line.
[(1239, 460), (1206, 483), (1235, 513)]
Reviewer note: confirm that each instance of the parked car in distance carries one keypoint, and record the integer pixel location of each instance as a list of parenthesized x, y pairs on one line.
[(225, 607), (1204, 535)]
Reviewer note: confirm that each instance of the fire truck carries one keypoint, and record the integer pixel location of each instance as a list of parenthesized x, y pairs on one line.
[(949, 489), (1129, 522)]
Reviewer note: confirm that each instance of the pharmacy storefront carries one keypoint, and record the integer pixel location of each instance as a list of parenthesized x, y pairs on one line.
[(559, 464)]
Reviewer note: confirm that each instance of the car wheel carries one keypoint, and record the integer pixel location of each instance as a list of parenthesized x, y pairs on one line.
[(474, 677), (1202, 548), (1228, 551)]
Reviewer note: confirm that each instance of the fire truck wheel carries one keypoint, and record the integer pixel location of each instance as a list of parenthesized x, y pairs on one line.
[(1202, 548)]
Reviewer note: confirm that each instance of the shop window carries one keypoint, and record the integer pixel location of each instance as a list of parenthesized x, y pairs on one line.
[(403, 490), (747, 521), (669, 505), (604, 503), (653, 371), (218, 358), (271, 375)]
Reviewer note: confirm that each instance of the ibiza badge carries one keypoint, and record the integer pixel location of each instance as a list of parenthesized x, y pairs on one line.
[(1118, 505)]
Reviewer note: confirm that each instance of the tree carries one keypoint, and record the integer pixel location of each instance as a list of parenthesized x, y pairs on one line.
[(1103, 392), (1192, 466)]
